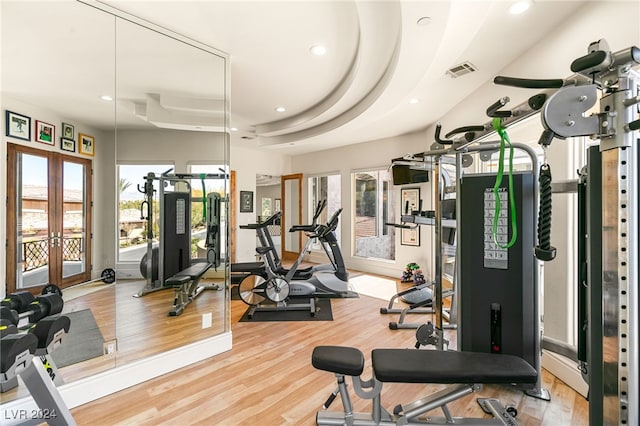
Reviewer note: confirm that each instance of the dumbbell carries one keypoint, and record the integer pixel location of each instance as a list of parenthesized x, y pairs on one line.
[(7, 328), (18, 301), (42, 306)]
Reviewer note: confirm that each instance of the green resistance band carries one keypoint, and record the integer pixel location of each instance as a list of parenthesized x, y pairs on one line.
[(504, 138), (204, 198)]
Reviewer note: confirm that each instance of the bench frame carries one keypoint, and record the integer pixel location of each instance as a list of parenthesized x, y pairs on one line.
[(186, 286), (405, 414)]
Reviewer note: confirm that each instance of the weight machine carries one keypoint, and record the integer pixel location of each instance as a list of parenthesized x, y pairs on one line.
[(608, 223), (168, 263)]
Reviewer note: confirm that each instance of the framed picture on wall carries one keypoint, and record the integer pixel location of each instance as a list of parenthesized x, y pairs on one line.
[(18, 126), (246, 202), (410, 201), (68, 131), (67, 144), (86, 144), (45, 132)]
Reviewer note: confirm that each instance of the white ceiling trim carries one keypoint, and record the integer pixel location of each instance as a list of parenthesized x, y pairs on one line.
[(374, 17)]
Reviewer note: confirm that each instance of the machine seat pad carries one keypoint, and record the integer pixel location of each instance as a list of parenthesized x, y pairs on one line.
[(45, 329), (449, 367), (338, 359), (263, 250), (247, 267), (193, 272), (13, 345)]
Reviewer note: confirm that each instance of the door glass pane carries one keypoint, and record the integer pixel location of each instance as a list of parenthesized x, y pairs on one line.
[(373, 210), (32, 222), (74, 233), (292, 211)]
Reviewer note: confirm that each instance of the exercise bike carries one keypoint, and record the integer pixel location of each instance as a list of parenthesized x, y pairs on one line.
[(267, 290)]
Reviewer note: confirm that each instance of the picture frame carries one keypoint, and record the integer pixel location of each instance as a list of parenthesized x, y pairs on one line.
[(412, 196), (18, 126), (45, 133), (86, 144), (410, 201), (68, 144), (246, 202), (68, 131)]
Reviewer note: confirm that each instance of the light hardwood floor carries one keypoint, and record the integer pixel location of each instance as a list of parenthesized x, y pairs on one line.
[(267, 379)]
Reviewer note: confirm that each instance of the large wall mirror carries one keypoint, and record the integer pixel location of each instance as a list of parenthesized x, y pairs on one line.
[(114, 94)]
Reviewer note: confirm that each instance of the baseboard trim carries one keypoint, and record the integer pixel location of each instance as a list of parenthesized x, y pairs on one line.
[(102, 384), (566, 370)]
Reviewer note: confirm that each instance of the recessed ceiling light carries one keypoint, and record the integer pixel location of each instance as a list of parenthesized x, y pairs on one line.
[(318, 50), (425, 20), (280, 109), (234, 129), (414, 101), (106, 98), (519, 7)]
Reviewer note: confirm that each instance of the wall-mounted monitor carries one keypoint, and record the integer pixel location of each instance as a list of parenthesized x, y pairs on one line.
[(404, 174)]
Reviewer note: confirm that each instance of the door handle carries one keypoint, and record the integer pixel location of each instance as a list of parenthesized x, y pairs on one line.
[(55, 240)]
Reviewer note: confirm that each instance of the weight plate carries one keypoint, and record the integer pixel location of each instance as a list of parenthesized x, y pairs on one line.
[(108, 276), (51, 289)]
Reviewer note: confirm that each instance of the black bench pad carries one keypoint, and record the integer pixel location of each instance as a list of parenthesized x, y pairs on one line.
[(192, 272), (247, 267), (338, 359), (448, 367)]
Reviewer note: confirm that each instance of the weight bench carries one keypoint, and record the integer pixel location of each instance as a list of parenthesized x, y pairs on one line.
[(185, 286), (465, 371)]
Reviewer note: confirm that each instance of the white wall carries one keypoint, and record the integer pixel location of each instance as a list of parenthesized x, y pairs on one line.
[(247, 163), (378, 155)]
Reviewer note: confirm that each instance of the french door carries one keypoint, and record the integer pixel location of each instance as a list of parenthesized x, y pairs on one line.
[(291, 194), (48, 219)]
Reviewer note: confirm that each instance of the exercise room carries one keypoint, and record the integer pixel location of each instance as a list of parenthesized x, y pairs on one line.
[(319, 212)]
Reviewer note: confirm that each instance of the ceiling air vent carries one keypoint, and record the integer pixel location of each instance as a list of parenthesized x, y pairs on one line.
[(462, 69)]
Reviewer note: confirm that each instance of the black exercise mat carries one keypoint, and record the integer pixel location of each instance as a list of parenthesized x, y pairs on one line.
[(323, 313), (84, 340)]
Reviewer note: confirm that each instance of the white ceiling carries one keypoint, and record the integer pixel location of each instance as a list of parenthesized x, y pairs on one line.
[(378, 58)]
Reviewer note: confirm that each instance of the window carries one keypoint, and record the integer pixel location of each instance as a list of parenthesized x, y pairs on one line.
[(131, 226), (373, 209)]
